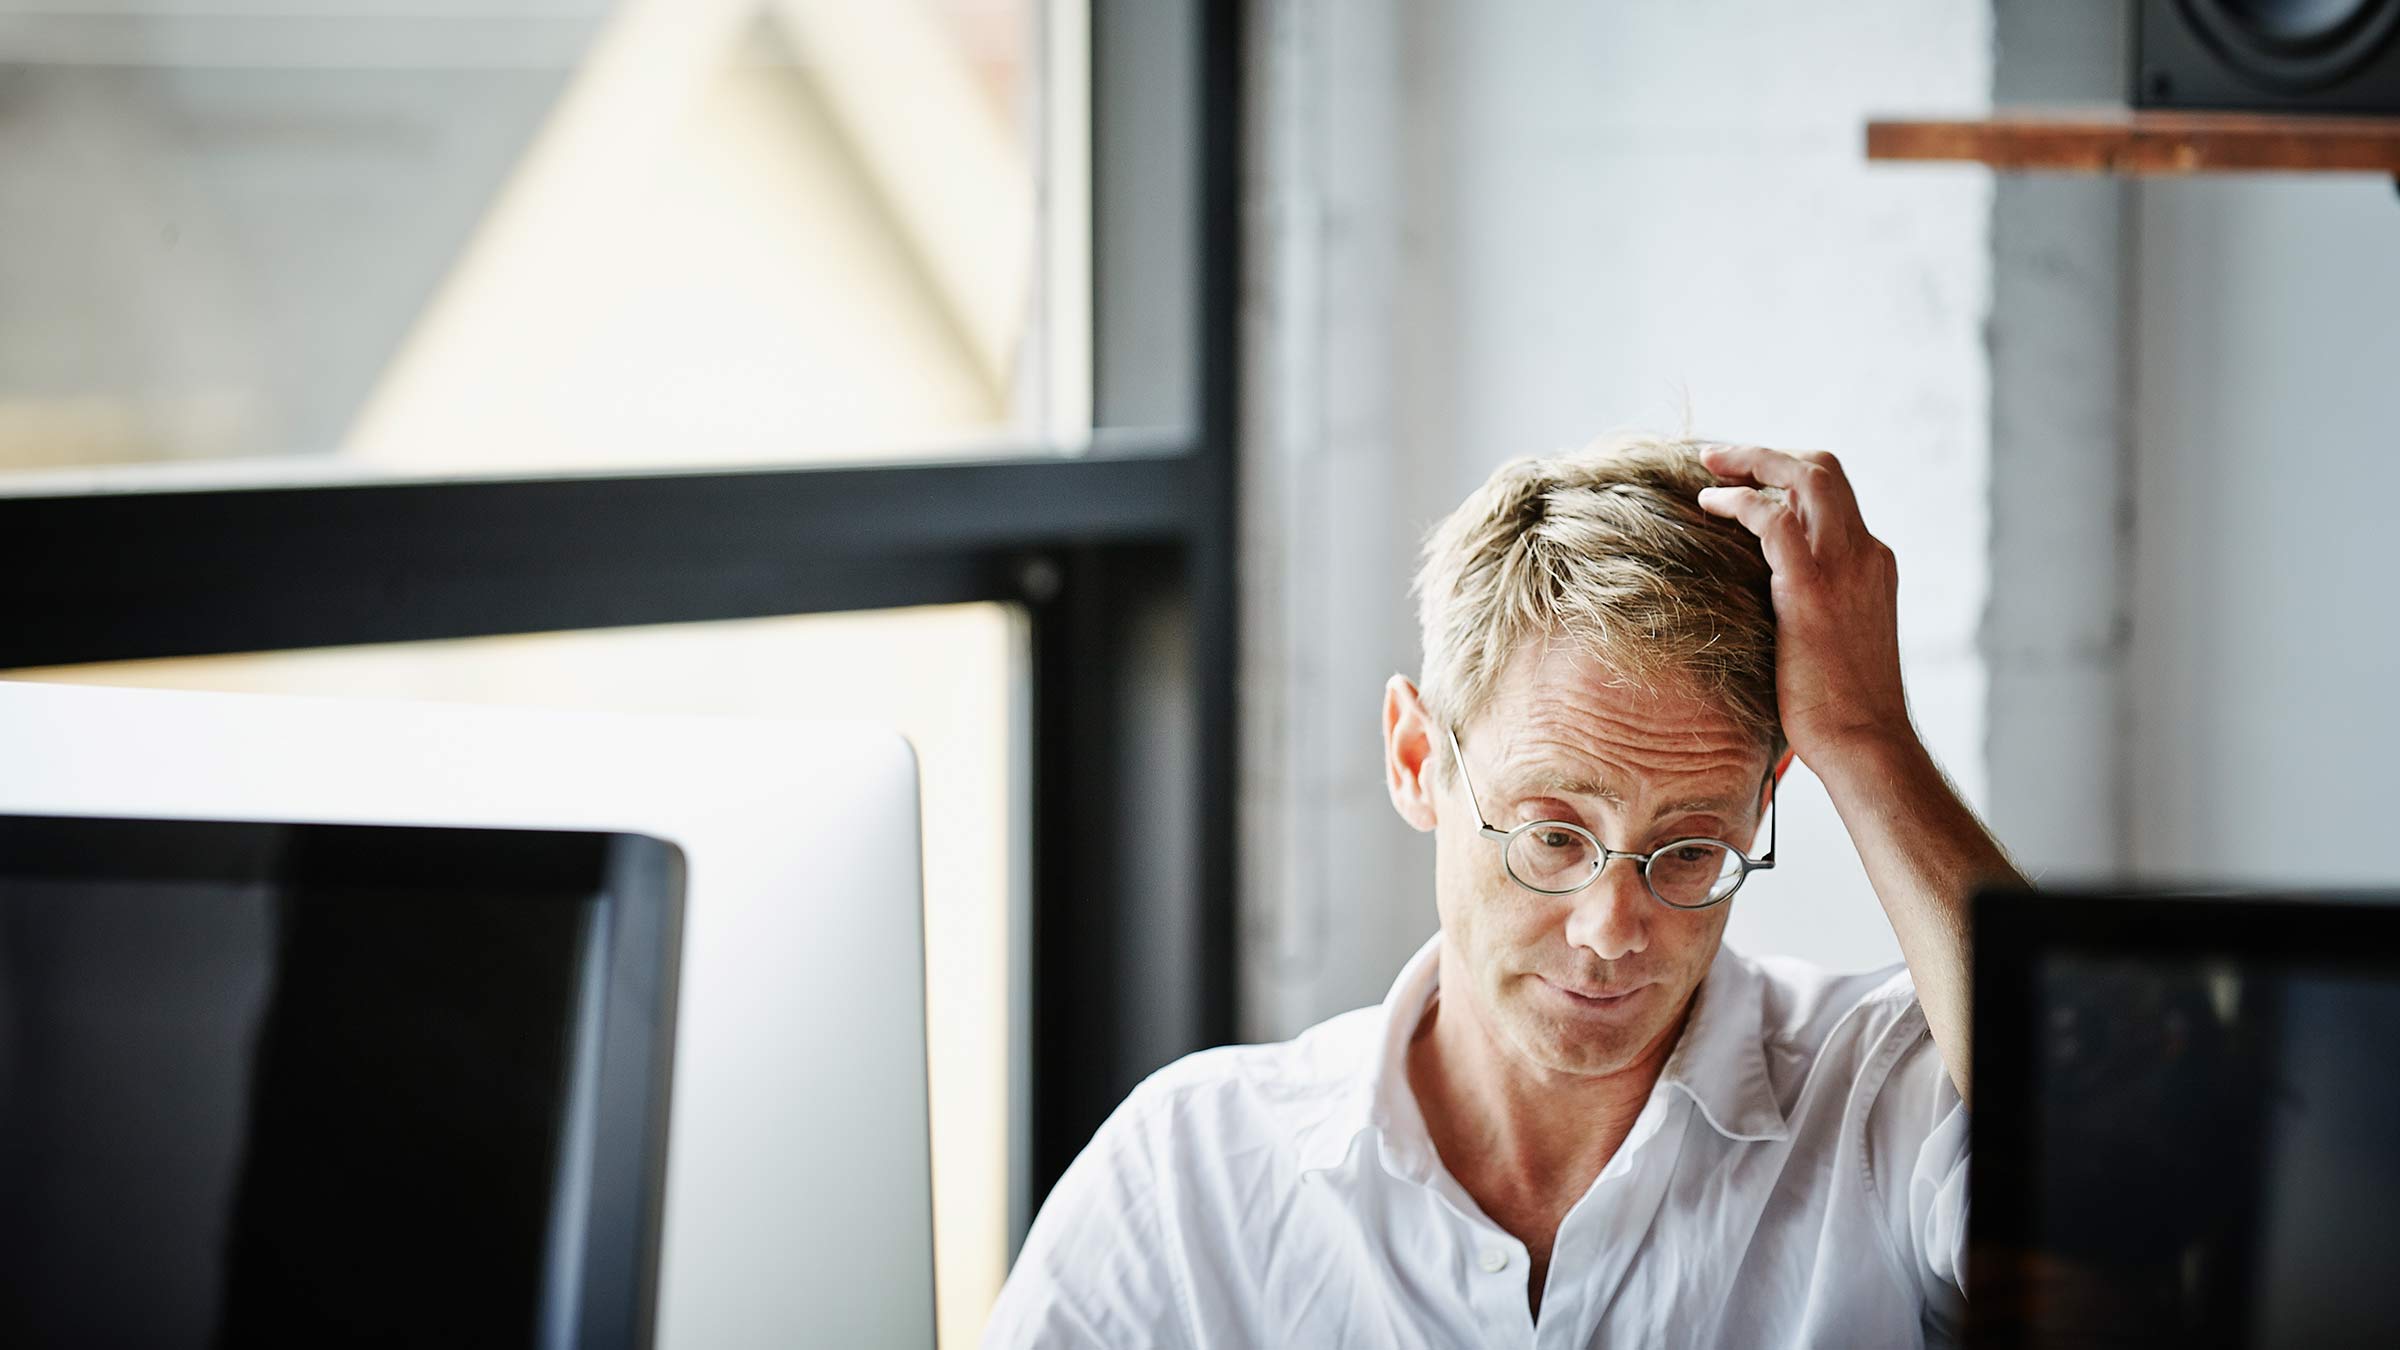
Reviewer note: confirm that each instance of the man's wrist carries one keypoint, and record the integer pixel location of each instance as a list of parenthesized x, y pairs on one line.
[(1868, 763)]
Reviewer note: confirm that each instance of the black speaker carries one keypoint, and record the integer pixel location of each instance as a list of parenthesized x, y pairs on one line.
[(2281, 55)]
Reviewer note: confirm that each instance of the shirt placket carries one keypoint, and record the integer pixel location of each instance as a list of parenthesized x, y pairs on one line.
[(1608, 1228), (1493, 1267)]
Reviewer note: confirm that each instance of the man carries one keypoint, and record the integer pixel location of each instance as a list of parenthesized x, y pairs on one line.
[(1578, 1119)]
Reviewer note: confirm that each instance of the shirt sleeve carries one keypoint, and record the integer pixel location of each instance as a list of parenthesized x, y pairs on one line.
[(1098, 1267), (1919, 1132)]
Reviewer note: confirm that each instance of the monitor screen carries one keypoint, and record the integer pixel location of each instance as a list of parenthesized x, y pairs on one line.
[(324, 1084), (2185, 1115)]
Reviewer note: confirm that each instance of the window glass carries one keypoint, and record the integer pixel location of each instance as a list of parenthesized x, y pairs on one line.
[(951, 678), (507, 236)]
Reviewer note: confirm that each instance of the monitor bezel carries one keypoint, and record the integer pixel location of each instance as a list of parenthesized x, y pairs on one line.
[(638, 878), (2013, 929)]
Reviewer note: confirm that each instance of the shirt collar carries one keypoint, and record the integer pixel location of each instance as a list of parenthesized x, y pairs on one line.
[(1377, 1097), (1720, 1062)]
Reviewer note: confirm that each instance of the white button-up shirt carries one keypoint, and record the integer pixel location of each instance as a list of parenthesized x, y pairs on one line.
[(1797, 1177)]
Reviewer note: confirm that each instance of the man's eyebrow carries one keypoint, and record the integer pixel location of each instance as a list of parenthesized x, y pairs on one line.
[(1705, 806), (1589, 787), (1554, 786)]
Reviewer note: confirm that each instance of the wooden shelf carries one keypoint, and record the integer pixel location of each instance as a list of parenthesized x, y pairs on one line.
[(2118, 140)]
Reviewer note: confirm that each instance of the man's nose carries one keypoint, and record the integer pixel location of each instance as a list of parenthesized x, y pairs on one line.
[(1612, 915)]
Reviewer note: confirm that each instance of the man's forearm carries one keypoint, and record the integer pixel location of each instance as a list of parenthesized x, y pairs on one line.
[(1925, 854)]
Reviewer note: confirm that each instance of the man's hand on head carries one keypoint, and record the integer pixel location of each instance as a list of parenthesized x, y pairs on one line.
[(1836, 591)]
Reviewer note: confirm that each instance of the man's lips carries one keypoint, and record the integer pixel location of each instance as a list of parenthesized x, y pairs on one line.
[(1595, 998)]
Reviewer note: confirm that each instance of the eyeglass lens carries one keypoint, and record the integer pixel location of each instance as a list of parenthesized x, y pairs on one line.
[(1692, 872)]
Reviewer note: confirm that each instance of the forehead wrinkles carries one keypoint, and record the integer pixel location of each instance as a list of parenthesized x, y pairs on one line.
[(1626, 741)]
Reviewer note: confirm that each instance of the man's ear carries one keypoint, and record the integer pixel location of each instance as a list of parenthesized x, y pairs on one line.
[(1408, 754)]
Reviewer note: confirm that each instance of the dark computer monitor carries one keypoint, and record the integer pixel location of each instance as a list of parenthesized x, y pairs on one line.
[(2186, 1121), (332, 1084)]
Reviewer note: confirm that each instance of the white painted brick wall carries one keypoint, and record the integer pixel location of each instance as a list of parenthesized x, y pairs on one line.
[(2054, 638)]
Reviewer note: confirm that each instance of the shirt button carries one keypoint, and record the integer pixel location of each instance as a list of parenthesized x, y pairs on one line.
[(1493, 1260)]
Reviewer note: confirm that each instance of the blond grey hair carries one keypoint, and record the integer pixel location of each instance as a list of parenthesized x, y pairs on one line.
[(1606, 550)]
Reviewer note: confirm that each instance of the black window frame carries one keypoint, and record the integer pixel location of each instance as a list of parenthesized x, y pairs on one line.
[(1122, 556)]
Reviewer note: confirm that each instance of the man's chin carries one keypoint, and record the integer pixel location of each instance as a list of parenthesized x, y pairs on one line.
[(1563, 1047)]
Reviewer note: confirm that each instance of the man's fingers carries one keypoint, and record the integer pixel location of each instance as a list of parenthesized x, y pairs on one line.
[(1805, 473), (1756, 464), (1778, 530), (1818, 491)]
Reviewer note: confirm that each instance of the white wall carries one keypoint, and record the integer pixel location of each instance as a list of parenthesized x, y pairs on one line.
[(1491, 230), (2266, 637), (2055, 633)]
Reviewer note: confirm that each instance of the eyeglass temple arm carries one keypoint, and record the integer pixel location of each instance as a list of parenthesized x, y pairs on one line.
[(1774, 813), (1458, 757)]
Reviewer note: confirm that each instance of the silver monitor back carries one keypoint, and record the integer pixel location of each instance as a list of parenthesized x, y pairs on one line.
[(798, 1192)]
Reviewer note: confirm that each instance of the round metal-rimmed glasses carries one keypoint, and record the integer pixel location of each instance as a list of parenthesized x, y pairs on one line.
[(1557, 857)]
